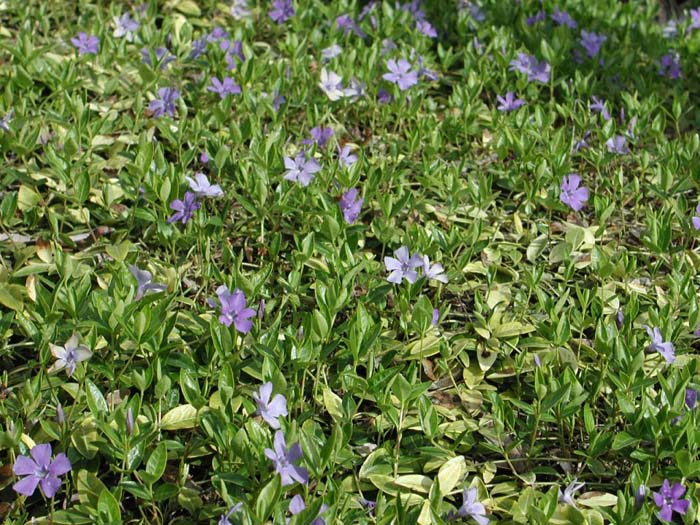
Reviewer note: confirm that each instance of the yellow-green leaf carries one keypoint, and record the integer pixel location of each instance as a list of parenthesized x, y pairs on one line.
[(180, 417), (451, 473)]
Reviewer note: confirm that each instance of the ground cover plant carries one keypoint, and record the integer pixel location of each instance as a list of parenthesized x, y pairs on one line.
[(349, 263)]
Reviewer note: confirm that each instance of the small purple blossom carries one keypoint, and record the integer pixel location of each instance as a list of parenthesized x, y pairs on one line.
[(144, 282), (598, 106), (696, 219), (433, 271), (509, 103), (5, 121), (639, 496), (125, 26), (282, 10), (572, 193), (347, 24), (184, 208), (528, 64), (224, 88), (472, 507), (202, 187), (694, 19), (284, 460), (331, 52), (297, 505), (668, 500), (403, 266), (331, 85), (224, 520), (199, 47), (691, 398), (562, 18), (40, 471), (537, 17), (620, 318), (319, 136), (347, 158), (582, 143), (400, 73), (592, 42), (617, 145), (300, 169), (277, 101), (670, 66), (86, 44), (384, 97), (665, 348), (69, 356), (567, 497), (425, 27), (234, 309), (162, 55), (165, 103), (204, 157), (216, 34), (270, 411), (351, 205), (436, 317)]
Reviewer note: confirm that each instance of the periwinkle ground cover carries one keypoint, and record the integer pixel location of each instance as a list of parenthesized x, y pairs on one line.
[(378, 262)]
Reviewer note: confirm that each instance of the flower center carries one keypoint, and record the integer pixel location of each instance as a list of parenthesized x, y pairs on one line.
[(42, 472)]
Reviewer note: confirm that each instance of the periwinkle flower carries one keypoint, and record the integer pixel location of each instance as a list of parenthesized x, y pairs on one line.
[(694, 19), (224, 520), (691, 398), (284, 460), (282, 10), (184, 209), (199, 47), (598, 106), (665, 348), (434, 270), (297, 505), (216, 34), (436, 317), (144, 282), (567, 496), (472, 507), (5, 121), (163, 56), (384, 97), (617, 145), (300, 169), (351, 205), (319, 136), (670, 66), (125, 27), (696, 219), (592, 42), (39, 470), (426, 28), (347, 24), (563, 18), (668, 500), (224, 88), (331, 85), (165, 103), (403, 266), (401, 74), (86, 44), (572, 193), (620, 318), (270, 411), (528, 64), (347, 158), (69, 356), (639, 496), (331, 52), (204, 157), (234, 309), (582, 143), (202, 187), (537, 17), (510, 102)]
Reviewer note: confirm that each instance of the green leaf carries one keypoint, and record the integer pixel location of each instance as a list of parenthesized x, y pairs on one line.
[(108, 506), (451, 473), (11, 296), (267, 499), (155, 466), (180, 417), (95, 399)]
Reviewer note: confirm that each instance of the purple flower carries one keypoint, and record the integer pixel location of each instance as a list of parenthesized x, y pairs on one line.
[(227, 87), (691, 398), (234, 309), (436, 317), (233, 49), (528, 64), (639, 496), (668, 499), (384, 97), (184, 208), (351, 204), (277, 101), (563, 18), (620, 318), (331, 52), (670, 66), (202, 187), (695, 19), (331, 85), (282, 10), (567, 497), (224, 519), (86, 45), (218, 33), (199, 47), (163, 57), (403, 266), (125, 26), (347, 158), (347, 24), (472, 507), (598, 106), (296, 505), (143, 282), (537, 17), (400, 73), (425, 27), (319, 136), (592, 42), (204, 157), (510, 102), (300, 169), (696, 219), (665, 348), (40, 470), (5, 121), (270, 410), (433, 271), (284, 460), (165, 103), (583, 143), (572, 194), (69, 356), (618, 145)]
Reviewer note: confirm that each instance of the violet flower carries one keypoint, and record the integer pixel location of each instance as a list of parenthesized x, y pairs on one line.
[(319, 136), (400, 73), (598, 106), (384, 97), (696, 219), (69, 356), (639, 496), (472, 507), (528, 64), (234, 309), (572, 193), (665, 348), (282, 10), (270, 411), (347, 24), (617, 145), (670, 66), (347, 158), (433, 271), (297, 505), (40, 470), (436, 317), (85, 44), (694, 19), (162, 55), (563, 18), (300, 169), (668, 500), (125, 27), (216, 34), (199, 47), (425, 27), (143, 282), (224, 520), (284, 460), (567, 497), (165, 103), (331, 52), (403, 266), (592, 42), (509, 103), (227, 87), (537, 17), (202, 187), (5, 121), (184, 209), (351, 205), (331, 85)]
